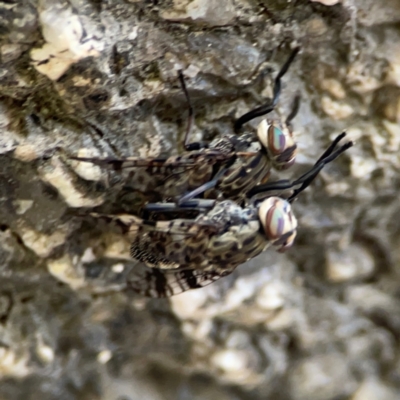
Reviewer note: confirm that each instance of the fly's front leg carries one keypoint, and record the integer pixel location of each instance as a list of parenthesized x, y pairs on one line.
[(201, 205), (267, 108), (306, 179), (294, 109), (195, 145), (201, 189)]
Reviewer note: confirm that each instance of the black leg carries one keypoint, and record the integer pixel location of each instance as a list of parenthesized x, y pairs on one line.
[(267, 108), (196, 192), (203, 188), (294, 109), (305, 180), (308, 178), (189, 205), (331, 147), (196, 145)]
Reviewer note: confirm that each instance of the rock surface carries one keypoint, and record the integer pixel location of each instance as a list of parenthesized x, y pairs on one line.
[(84, 77)]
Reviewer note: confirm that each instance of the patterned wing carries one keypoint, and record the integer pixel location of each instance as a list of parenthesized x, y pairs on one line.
[(180, 243), (137, 162), (160, 283), (170, 177)]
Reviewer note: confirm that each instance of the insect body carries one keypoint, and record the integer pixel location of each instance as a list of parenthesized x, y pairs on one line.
[(225, 168), (226, 235), (215, 242), (190, 253)]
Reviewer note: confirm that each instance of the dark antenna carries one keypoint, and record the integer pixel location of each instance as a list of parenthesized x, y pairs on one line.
[(305, 180)]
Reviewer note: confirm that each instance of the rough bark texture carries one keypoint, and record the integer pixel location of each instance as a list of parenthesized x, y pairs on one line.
[(99, 77)]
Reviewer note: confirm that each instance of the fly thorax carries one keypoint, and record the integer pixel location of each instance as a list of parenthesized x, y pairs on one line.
[(222, 144), (278, 141), (254, 147), (244, 142), (278, 221), (225, 212), (245, 227)]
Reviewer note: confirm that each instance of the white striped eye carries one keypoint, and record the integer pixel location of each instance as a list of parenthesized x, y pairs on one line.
[(278, 221), (279, 143)]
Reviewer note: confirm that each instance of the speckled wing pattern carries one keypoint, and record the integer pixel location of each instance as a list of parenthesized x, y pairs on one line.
[(176, 244), (170, 176), (184, 254), (155, 282), (167, 250)]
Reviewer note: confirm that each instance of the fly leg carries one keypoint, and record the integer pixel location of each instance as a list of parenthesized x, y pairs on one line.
[(195, 145), (267, 108), (294, 109), (305, 180), (189, 205)]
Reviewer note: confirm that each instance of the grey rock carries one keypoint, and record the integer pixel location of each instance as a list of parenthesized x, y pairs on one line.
[(97, 78)]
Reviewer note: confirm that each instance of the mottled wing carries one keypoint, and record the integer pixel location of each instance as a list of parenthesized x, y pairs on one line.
[(180, 243), (170, 177), (161, 283), (136, 162)]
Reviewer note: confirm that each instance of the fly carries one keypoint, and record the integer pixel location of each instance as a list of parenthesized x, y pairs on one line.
[(183, 254), (225, 168)]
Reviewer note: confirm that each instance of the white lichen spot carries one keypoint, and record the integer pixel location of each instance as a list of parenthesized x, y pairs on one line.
[(237, 339), (277, 28), (394, 134), (78, 81), (337, 188), (210, 12), (233, 364), (65, 42), (87, 170), (88, 256), (352, 133), (271, 296), (336, 110), (118, 268), (334, 87), (10, 52), (41, 244), (327, 2), (243, 289), (134, 33), (58, 177), (25, 153), (65, 271), (5, 119), (191, 71), (373, 389), (367, 298), (188, 304), (117, 246), (355, 262), (360, 80), (104, 356), (198, 331), (394, 70), (362, 167), (22, 206), (283, 319), (11, 365), (229, 360), (316, 27), (44, 352)]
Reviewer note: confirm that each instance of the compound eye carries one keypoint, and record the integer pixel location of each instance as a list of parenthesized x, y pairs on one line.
[(278, 221), (279, 143), (285, 242)]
